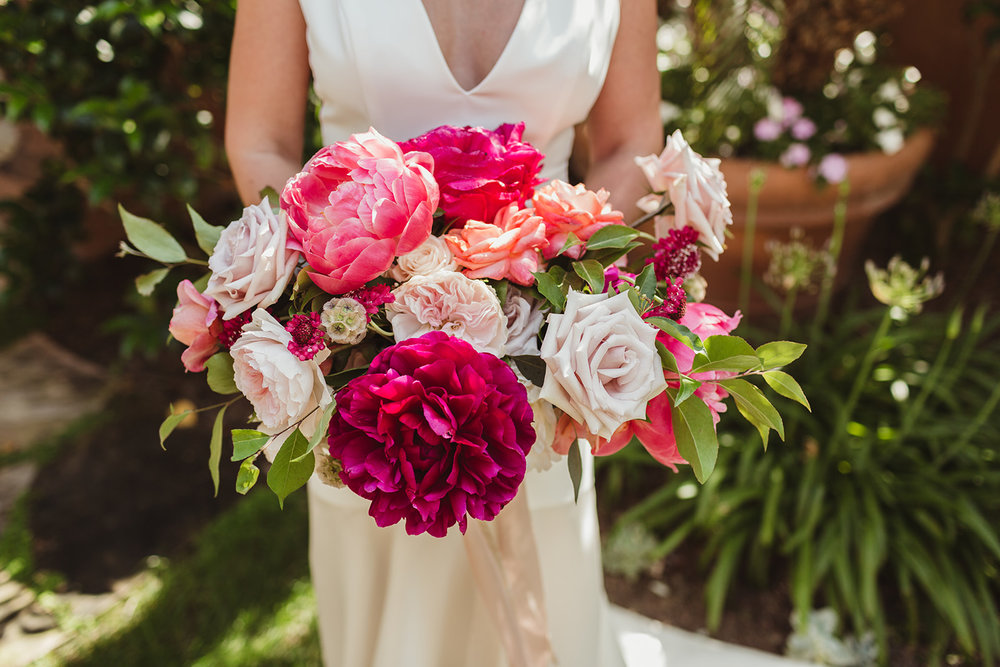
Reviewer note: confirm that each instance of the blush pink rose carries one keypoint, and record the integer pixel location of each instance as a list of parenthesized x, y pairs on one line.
[(480, 171), (508, 248), (355, 206), (568, 209), (196, 324)]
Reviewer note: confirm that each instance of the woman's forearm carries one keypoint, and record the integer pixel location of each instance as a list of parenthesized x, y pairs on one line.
[(254, 171)]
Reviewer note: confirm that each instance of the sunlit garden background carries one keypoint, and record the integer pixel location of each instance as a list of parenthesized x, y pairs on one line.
[(862, 150)]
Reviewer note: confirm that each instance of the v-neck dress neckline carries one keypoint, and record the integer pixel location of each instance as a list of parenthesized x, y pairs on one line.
[(428, 27)]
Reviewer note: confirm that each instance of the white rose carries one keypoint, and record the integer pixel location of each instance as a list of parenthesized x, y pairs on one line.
[(696, 188), (250, 263), (543, 420), (345, 321), (282, 389), (430, 256), (601, 362), (524, 319), (448, 301)]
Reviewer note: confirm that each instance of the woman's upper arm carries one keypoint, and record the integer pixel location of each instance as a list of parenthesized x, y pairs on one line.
[(267, 93)]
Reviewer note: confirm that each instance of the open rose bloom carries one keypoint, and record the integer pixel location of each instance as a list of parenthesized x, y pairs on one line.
[(426, 322)]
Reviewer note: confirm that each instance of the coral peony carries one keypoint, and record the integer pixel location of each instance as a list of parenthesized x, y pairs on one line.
[(195, 323), (480, 171), (507, 248), (434, 433), (355, 206), (568, 209)]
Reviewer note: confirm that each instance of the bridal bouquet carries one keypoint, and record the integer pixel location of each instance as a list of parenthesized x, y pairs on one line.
[(424, 321)]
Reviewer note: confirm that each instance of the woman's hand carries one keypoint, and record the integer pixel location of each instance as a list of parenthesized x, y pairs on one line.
[(266, 100)]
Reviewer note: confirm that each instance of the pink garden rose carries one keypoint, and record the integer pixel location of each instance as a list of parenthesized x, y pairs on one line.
[(355, 206), (569, 209), (434, 433), (196, 324), (480, 171), (507, 248), (250, 263), (450, 302)]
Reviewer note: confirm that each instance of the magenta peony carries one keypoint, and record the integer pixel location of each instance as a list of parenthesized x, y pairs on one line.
[(355, 206), (480, 171), (433, 434)]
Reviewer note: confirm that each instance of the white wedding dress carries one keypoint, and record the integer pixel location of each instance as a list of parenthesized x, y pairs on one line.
[(388, 599)]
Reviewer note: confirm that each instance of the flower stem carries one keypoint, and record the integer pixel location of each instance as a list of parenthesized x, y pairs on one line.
[(984, 413), (757, 178), (836, 242), (977, 264), (786, 311), (664, 203)]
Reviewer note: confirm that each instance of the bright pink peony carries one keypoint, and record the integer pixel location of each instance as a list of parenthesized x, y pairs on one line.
[(507, 248), (434, 433), (196, 324), (355, 206), (569, 209), (480, 171)]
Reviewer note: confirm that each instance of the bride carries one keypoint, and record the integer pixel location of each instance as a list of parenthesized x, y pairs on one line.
[(404, 67)]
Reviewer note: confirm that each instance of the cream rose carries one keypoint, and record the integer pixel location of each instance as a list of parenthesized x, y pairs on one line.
[(524, 319), (282, 389), (695, 186), (250, 263), (431, 256), (448, 301), (601, 362)]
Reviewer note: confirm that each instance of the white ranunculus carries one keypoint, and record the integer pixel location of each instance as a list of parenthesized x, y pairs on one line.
[(430, 256), (601, 362), (524, 319), (250, 263), (448, 301), (344, 320), (696, 188), (282, 388)]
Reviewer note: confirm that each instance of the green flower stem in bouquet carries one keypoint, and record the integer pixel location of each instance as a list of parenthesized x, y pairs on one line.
[(757, 179)]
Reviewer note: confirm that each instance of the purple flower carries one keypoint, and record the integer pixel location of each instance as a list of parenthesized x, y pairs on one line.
[(803, 129), (795, 155), (767, 129), (435, 432), (791, 110), (615, 276), (480, 171), (833, 168)]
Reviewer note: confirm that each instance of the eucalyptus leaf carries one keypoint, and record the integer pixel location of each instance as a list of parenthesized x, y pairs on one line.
[(170, 423), (755, 407), (726, 353), (215, 449), (147, 282), (575, 464), (785, 384), (611, 236), (151, 239), (220, 373), (207, 235), (591, 271), (286, 475), (779, 353), (532, 367), (678, 331), (247, 477), (694, 430), (247, 442)]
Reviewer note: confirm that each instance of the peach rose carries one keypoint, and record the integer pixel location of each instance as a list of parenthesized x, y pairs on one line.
[(196, 324), (568, 209), (507, 248)]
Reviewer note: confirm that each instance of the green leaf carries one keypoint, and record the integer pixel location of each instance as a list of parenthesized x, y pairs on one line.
[(779, 353), (340, 378), (272, 196), (286, 475), (247, 477), (170, 423), (202, 282), (207, 235), (531, 367), (694, 431), (678, 331), (247, 442), (551, 291), (612, 236), (593, 272), (501, 287), (687, 388), (755, 407), (215, 449), (147, 282), (220, 373), (571, 241), (575, 464), (726, 353), (645, 282), (785, 384), (151, 239), (322, 427), (667, 358)]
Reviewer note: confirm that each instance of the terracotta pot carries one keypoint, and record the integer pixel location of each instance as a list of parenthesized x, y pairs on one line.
[(791, 198)]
